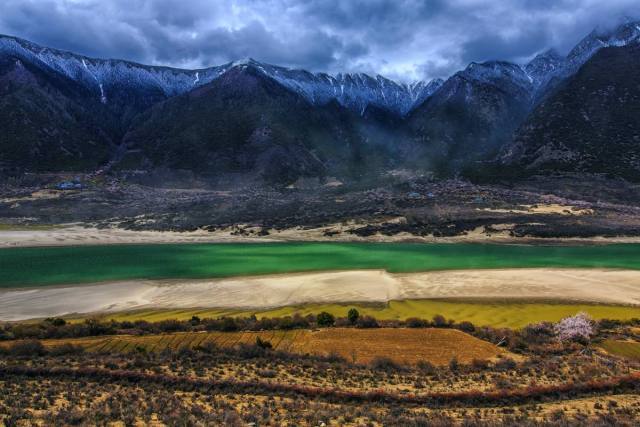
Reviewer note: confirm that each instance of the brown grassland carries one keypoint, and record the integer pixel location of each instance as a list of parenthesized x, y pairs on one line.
[(299, 372), (406, 346)]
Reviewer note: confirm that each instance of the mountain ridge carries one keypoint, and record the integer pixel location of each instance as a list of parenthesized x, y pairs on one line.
[(60, 109)]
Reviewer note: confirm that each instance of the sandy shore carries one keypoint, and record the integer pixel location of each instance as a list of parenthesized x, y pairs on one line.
[(260, 292), (74, 235)]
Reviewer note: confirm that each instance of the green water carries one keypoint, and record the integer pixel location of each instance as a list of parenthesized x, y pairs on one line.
[(86, 264)]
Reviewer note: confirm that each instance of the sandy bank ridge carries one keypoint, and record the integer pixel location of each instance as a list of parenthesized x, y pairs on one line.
[(76, 235), (262, 292)]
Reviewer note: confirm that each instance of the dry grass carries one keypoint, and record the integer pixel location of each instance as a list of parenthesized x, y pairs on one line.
[(437, 346), (628, 349)]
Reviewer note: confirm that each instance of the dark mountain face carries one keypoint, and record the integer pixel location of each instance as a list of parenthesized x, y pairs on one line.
[(246, 123), (473, 113), (592, 123), (48, 122), (65, 112)]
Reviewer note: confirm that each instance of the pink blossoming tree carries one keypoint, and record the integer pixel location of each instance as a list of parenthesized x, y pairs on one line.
[(575, 328)]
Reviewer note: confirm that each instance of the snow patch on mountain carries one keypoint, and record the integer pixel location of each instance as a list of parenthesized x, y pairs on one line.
[(354, 91)]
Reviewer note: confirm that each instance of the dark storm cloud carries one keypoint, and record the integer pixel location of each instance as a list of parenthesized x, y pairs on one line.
[(404, 39)]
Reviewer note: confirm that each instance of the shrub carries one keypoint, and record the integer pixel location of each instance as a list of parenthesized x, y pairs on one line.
[(466, 327), (64, 349), (538, 333), (248, 351), (264, 344), (480, 364), (171, 325), (353, 316), (27, 348), (56, 321), (209, 347), (426, 367), (439, 321), (325, 319), (229, 324), (414, 322), (367, 322), (384, 364), (453, 364), (506, 364)]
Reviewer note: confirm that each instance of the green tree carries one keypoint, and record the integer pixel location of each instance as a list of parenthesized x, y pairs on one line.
[(353, 316), (325, 319)]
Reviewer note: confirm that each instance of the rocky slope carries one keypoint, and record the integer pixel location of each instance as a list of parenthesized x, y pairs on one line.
[(592, 123), (65, 112)]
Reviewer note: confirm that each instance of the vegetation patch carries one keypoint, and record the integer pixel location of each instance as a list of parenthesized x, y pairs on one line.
[(628, 349), (499, 314), (406, 346)]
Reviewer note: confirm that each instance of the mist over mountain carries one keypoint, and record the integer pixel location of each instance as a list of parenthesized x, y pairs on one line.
[(66, 112)]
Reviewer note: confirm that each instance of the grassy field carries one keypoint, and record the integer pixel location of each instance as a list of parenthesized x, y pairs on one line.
[(496, 314), (27, 227), (628, 349), (68, 265), (437, 346)]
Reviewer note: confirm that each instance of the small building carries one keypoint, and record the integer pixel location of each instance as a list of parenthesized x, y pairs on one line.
[(68, 185)]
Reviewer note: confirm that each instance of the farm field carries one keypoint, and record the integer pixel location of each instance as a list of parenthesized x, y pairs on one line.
[(42, 266), (628, 349), (501, 314), (408, 346)]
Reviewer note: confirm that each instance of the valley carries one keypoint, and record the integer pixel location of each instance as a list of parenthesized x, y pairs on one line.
[(246, 243)]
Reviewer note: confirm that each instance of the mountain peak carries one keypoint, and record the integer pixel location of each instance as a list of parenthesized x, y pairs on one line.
[(623, 34), (544, 65), (244, 61)]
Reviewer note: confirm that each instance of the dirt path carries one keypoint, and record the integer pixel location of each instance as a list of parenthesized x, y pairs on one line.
[(261, 292)]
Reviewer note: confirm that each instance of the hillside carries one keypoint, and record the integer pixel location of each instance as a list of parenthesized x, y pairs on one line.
[(592, 123)]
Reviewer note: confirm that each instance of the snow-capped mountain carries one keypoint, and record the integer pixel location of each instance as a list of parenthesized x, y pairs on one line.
[(505, 75), (101, 76), (63, 111), (550, 65), (621, 36), (545, 65), (354, 91)]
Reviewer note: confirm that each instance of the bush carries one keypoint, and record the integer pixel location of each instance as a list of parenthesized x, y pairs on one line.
[(414, 322), (506, 364), (56, 321), (229, 324), (248, 351), (64, 349), (325, 319), (367, 322), (384, 364), (453, 364), (480, 364), (264, 344), (439, 321), (426, 367), (466, 327), (538, 333), (209, 347), (353, 316), (27, 348)]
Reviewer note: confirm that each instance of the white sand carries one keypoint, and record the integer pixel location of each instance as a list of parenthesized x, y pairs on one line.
[(585, 285)]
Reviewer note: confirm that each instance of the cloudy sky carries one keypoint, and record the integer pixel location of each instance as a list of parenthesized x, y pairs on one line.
[(401, 39)]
